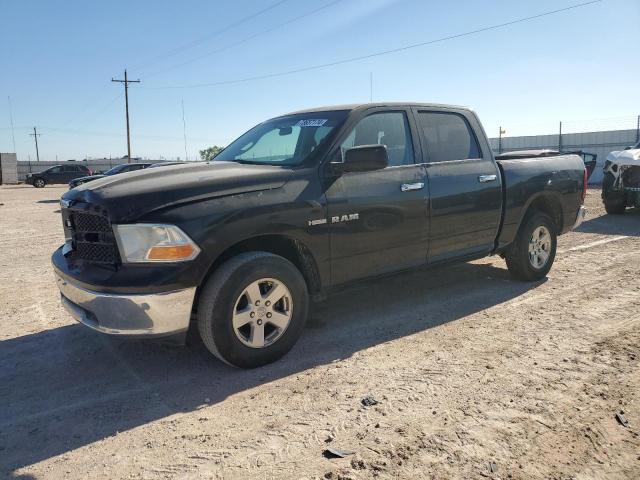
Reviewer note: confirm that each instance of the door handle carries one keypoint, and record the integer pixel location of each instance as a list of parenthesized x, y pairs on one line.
[(487, 178), (405, 187)]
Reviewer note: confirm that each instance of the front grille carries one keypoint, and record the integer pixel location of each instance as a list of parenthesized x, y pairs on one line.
[(92, 237), (631, 177), (96, 252), (85, 222)]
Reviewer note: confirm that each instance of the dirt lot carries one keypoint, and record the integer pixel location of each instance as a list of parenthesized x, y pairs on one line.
[(476, 375)]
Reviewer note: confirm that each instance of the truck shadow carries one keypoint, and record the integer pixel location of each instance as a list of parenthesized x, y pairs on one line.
[(69, 387), (625, 224)]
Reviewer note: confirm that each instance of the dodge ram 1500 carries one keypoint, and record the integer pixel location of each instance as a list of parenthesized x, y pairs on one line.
[(299, 205)]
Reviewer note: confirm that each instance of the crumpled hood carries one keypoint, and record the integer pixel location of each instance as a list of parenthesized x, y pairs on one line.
[(629, 158), (128, 196)]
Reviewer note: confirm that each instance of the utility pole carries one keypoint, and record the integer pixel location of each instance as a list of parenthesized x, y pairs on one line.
[(35, 136), (560, 138), (126, 82), (500, 133), (371, 87)]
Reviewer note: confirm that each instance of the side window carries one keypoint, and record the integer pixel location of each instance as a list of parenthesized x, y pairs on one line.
[(448, 136), (387, 128), (56, 170)]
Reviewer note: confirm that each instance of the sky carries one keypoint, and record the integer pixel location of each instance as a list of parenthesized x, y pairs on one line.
[(57, 59)]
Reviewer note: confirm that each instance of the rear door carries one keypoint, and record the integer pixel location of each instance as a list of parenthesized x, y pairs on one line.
[(70, 172), (55, 175), (464, 184), (378, 220)]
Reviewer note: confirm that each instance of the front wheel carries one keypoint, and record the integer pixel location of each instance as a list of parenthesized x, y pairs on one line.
[(39, 183), (531, 255), (253, 309)]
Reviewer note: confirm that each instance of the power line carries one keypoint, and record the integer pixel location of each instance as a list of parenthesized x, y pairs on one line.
[(210, 36), (244, 40), (94, 133), (90, 119), (126, 83), (377, 54)]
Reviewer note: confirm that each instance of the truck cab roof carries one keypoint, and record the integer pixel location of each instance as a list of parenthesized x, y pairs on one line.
[(363, 106)]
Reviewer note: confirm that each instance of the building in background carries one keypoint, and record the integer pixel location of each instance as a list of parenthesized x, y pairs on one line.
[(8, 169)]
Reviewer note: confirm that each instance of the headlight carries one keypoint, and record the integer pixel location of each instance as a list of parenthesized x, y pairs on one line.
[(149, 242)]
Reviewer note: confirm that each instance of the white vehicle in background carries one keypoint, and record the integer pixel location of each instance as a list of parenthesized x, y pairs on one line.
[(621, 183)]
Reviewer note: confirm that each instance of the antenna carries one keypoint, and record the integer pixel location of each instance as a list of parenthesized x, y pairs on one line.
[(184, 132), (13, 135), (371, 87)]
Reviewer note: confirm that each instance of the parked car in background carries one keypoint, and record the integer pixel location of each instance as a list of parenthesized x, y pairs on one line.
[(125, 167), (58, 174), (621, 182), (589, 159), (297, 207)]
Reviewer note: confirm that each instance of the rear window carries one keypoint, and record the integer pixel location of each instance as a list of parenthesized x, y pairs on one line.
[(448, 137)]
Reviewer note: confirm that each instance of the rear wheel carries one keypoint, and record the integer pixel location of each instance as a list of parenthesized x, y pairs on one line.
[(531, 255), (253, 309), (39, 183)]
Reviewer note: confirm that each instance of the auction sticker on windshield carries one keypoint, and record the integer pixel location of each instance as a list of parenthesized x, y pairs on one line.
[(312, 122)]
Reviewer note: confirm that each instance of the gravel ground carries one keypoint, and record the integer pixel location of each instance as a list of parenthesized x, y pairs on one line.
[(476, 375)]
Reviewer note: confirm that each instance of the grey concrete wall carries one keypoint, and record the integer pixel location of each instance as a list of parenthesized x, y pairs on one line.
[(600, 143), (8, 168)]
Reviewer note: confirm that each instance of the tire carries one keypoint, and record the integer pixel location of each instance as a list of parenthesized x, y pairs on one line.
[(520, 261), (227, 293), (614, 201), (613, 206), (39, 183)]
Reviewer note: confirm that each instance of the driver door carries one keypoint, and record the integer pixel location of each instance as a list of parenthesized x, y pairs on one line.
[(379, 219)]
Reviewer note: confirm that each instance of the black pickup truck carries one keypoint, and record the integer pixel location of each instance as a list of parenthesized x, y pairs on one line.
[(296, 206)]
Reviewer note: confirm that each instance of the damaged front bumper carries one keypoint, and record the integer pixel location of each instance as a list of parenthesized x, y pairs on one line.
[(132, 315)]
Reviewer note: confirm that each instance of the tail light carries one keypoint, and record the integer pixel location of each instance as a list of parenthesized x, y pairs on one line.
[(584, 185)]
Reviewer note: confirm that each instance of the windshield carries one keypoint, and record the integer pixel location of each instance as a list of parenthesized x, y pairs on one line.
[(286, 140), (114, 170)]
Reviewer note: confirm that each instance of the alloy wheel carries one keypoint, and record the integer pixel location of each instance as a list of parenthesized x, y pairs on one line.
[(262, 313), (539, 247)]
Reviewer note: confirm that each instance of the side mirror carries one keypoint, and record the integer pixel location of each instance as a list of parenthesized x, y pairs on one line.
[(365, 158)]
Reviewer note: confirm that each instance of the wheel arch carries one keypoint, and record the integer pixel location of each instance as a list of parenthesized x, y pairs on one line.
[(282, 245), (547, 203)]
